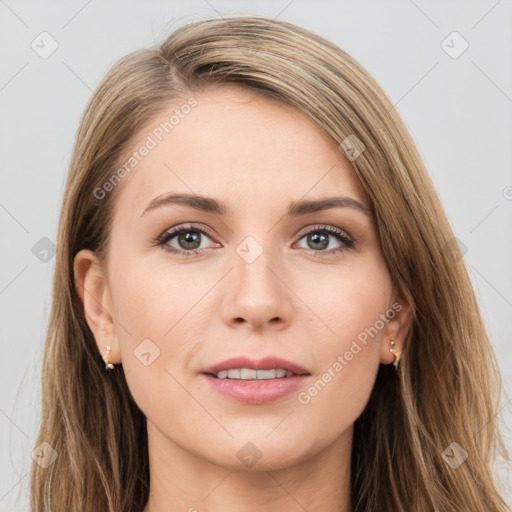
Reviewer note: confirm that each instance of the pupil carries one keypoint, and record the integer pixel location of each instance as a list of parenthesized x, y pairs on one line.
[(189, 240), (319, 238)]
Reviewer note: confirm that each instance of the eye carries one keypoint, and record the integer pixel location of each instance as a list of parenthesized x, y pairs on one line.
[(185, 240), (320, 237), (188, 240)]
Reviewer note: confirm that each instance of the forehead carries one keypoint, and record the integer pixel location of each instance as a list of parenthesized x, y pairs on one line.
[(240, 146)]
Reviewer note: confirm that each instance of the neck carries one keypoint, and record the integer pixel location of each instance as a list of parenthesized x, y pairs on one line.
[(181, 480)]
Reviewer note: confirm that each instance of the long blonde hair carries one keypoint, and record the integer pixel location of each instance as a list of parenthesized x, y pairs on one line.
[(448, 385)]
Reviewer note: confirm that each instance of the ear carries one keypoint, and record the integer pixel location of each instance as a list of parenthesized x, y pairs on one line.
[(396, 329), (94, 293)]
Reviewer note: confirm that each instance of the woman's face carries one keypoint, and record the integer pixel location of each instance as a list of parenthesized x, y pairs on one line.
[(262, 269)]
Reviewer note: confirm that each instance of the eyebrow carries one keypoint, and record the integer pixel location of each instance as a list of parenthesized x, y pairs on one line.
[(211, 205)]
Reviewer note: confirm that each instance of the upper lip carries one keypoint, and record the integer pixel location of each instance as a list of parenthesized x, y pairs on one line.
[(266, 363)]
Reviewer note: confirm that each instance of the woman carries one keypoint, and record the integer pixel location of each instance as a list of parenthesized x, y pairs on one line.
[(258, 302)]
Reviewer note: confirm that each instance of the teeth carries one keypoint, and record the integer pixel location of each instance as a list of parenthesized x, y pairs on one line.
[(246, 373), (251, 374)]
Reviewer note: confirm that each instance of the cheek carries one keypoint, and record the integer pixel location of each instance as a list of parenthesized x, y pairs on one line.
[(155, 309), (150, 300), (348, 338), (349, 305)]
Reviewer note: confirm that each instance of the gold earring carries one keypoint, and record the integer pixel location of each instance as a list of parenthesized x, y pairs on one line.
[(396, 353), (108, 366)]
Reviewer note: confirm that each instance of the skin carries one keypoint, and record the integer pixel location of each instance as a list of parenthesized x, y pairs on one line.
[(296, 300)]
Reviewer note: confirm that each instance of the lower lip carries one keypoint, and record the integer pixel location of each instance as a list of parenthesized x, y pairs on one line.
[(257, 391)]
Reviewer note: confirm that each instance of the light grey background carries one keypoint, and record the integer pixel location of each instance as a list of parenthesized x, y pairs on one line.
[(458, 111)]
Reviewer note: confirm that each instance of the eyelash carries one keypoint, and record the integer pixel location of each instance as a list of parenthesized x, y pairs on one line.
[(337, 233)]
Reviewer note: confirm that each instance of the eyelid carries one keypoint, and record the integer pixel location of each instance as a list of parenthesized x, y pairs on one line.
[(192, 226), (323, 227)]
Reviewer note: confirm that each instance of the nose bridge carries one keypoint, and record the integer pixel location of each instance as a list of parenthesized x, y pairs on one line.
[(257, 293), (253, 262)]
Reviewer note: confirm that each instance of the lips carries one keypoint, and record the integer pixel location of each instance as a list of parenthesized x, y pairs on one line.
[(257, 392), (266, 363), (254, 391)]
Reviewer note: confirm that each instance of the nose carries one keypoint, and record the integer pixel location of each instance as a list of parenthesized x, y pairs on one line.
[(256, 294)]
